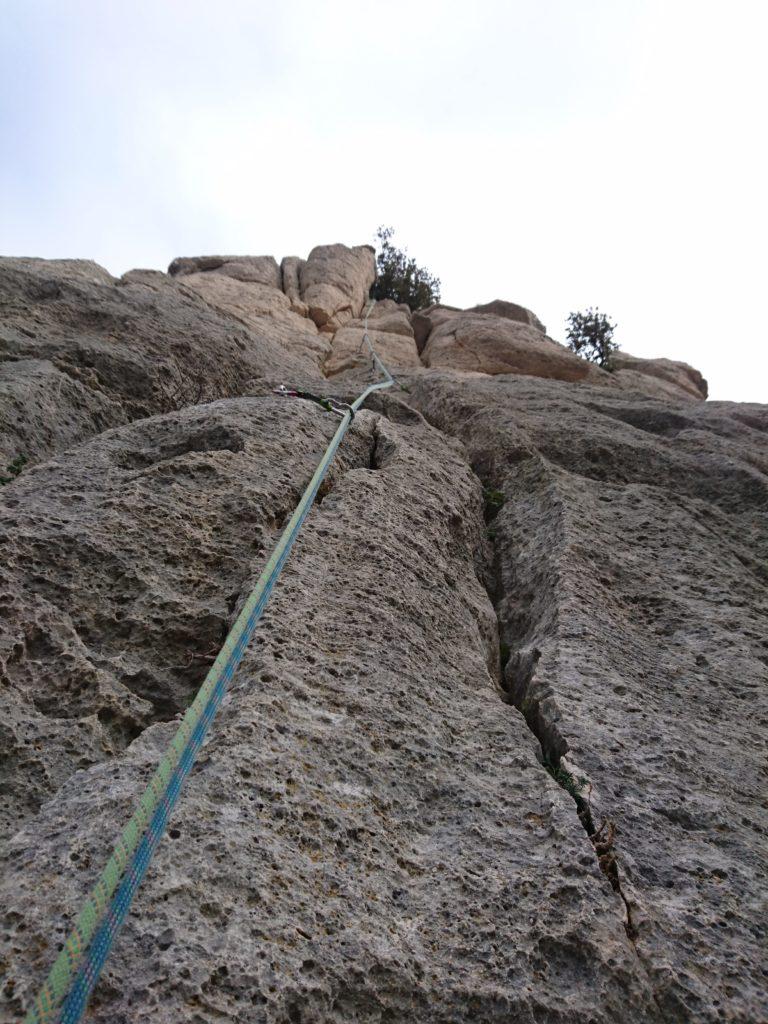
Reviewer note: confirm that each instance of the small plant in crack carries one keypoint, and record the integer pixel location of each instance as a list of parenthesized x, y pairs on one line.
[(13, 469), (494, 502), (565, 779)]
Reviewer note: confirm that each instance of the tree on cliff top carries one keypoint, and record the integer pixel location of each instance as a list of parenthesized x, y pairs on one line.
[(399, 277), (590, 335)]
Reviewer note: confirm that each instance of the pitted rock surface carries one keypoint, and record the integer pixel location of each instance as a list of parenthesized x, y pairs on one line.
[(122, 559), (496, 751), (632, 593), (89, 351), (368, 832)]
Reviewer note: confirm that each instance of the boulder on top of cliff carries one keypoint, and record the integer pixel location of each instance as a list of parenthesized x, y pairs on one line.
[(256, 269), (335, 281), (510, 311), (493, 344), (391, 316), (659, 378), (290, 275)]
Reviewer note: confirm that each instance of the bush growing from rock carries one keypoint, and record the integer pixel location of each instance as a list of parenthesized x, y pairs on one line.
[(590, 335), (399, 277), (14, 469)]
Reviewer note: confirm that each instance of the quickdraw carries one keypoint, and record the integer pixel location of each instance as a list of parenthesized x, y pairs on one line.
[(329, 404)]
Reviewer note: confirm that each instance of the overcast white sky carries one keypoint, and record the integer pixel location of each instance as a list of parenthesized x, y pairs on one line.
[(555, 153)]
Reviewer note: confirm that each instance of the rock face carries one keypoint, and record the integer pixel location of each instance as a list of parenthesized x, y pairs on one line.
[(335, 282), (253, 269), (492, 344), (82, 351), (495, 752), (120, 550), (632, 595), (668, 379), (511, 311), (267, 310)]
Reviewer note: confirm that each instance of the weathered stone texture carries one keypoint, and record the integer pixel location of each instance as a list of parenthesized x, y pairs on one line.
[(510, 311), (265, 310), (117, 349), (632, 591), (348, 352), (335, 282), (541, 608), (368, 832), (493, 344), (253, 269), (660, 378), (121, 559)]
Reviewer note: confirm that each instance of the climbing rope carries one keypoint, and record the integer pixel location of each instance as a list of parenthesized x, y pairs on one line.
[(366, 340), (64, 995)]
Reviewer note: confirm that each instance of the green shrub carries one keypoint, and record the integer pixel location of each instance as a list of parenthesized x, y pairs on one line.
[(494, 502), (400, 278), (565, 779), (590, 335), (13, 469)]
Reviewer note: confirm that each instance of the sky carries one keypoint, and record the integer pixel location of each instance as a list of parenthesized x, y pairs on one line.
[(554, 153)]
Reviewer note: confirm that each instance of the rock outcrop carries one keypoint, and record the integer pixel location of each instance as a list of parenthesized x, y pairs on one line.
[(81, 351), (510, 311), (335, 282), (631, 589), (661, 378), (495, 751), (488, 343)]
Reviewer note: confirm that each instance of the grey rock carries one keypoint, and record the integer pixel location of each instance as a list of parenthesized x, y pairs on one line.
[(660, 378), (632, 594), (255, 269), (43, 409), (496, 751), (117, 350), (368, 832), (121, 561)]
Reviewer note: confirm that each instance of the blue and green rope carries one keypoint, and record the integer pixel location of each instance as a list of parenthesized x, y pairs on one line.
[(64, 995)]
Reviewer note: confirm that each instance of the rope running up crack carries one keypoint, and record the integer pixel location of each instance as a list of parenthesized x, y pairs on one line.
[(64, 995)]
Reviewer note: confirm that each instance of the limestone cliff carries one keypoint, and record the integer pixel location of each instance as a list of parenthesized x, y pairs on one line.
[(497, 750)]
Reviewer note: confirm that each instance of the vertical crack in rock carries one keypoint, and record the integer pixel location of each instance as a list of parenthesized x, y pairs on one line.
[(521, 686), (527, 624)]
